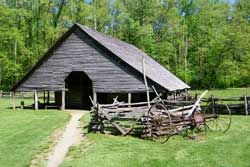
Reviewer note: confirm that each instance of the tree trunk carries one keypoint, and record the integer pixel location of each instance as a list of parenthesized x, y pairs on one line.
[(185, 58)]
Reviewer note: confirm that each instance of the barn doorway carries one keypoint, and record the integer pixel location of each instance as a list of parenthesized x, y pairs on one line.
[(79, 88)]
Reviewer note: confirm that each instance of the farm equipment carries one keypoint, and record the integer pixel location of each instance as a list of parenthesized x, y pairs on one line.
[(160, 121), (164, 122)]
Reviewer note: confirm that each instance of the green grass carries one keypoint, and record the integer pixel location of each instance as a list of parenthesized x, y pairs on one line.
[(23, 133), (215, 150), (230, 92)]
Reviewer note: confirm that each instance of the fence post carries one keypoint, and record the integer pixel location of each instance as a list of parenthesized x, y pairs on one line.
[(13, 100), (48, 98), (129, 100), (213, 103), (36, 99), (22, 100), (186, 94), (1, 93), (246, 104)]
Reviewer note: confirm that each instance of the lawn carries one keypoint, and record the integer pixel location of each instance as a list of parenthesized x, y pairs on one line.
[(23, 133), (215, 150), (230, 92)]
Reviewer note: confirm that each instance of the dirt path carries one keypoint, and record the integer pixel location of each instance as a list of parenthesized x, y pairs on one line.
[(71, 135)]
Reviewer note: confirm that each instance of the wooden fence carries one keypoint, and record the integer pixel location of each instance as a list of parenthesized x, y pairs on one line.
[(22, 95), (238, 105), (119, 118)]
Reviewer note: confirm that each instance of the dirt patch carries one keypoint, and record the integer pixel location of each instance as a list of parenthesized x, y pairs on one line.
[(72, 135), (41, 157)]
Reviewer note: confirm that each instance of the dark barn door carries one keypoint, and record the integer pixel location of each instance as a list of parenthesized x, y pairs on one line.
[(79, 89)]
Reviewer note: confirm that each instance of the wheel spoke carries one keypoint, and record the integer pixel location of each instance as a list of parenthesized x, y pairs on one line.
[(221, 122)]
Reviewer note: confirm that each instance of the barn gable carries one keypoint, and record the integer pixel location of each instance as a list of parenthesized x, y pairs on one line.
[(134, 57), (78, 52), (111, 64)]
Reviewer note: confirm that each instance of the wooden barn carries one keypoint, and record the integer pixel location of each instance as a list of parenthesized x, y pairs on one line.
[(85, 64)]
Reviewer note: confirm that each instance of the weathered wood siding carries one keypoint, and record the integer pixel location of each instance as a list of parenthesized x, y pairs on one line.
[(79, 53)]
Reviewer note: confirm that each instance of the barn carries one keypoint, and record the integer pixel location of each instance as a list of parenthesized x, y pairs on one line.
[(86, 66)]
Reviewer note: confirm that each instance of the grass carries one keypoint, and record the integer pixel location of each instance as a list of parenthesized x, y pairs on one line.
[(23, 133), (230, 92), (215, 150), (220, 150), (23, 136)]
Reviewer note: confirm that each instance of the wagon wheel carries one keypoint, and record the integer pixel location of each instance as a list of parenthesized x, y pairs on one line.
[(199, 126), (215, 121), (159, 124)]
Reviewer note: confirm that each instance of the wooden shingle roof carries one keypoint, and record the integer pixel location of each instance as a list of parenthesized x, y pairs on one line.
[(128, 53), (133, 57)]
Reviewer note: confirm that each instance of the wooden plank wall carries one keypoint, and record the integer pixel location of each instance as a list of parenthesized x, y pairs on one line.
[(79, 53)]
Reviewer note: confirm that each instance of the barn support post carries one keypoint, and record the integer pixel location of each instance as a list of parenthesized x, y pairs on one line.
[(213, 103), (94, 97), (44, 98), (36, 99), (145, 81), (22, 100), (186, 94), (246, 104), (129, 99), (48, 98), (63, 98), (13, 100)]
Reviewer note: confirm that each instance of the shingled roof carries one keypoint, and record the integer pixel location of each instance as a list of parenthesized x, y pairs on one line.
[(128, 53), (134, 57)]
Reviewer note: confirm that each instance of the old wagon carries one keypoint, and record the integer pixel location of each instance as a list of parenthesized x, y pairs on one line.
[(159, 119)]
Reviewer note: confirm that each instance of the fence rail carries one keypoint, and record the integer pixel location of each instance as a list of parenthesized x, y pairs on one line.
[(21, 95), (241, 107)]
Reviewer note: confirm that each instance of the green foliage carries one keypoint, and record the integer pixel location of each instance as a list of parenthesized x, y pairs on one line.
[(206, 43)]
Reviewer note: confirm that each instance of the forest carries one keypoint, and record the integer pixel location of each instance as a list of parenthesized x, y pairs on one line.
[(204, 42)]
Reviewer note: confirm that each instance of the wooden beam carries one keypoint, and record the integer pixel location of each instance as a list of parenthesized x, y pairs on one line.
[(36, 100), (44, 98), (13, 100), (213, 103), (48, 98), (113, 123), (22, 101), (129, 99), (94, 97), (145, 81), (186, 94), (63, 98), (246, 104)]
